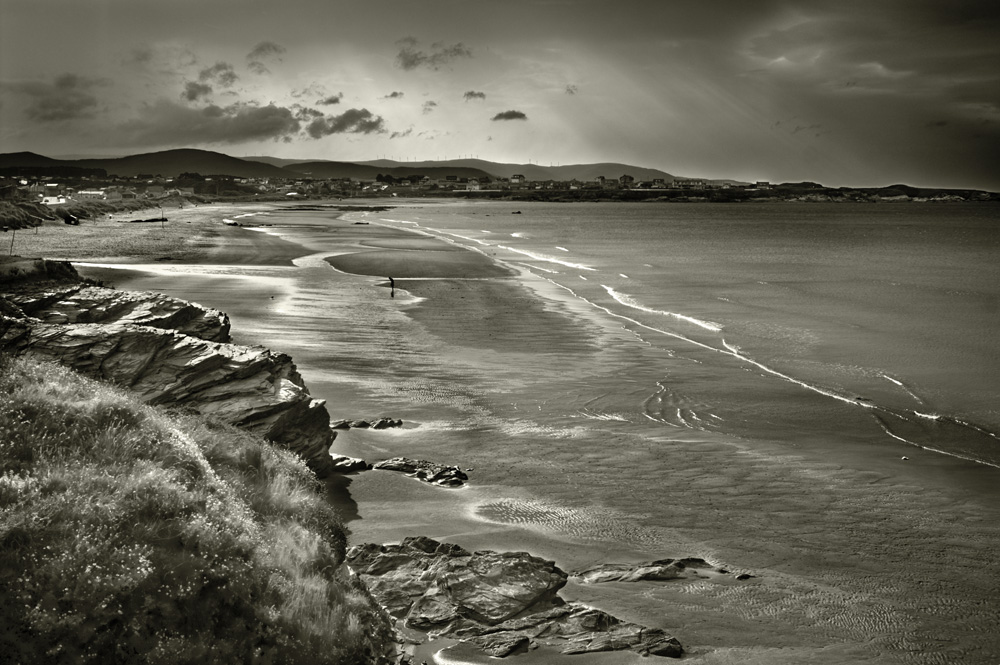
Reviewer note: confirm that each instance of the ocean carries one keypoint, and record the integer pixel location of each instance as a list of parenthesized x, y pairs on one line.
[(805, 393)]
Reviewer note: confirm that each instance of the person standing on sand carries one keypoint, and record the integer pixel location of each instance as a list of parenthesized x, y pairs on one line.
[(392, 288)]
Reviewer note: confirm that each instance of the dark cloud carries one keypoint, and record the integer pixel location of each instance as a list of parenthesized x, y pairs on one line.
[(429, 106), (193, 91), (220, 73), (68, 97), (261, 52), (472, 94), (510, 115), (306, 114), (394, 95), (351, 121), (332, 99), (571, 89), (411, 57), (167, 123), (400, 135)]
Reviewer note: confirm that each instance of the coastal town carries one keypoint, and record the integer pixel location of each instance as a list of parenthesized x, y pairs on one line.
[(54, 191)]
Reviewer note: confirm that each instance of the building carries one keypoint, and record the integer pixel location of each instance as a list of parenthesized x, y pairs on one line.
[(626, 181)]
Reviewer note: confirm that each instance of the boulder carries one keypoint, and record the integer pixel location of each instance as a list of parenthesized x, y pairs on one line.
[(429, 472), (344, 464), (501, 602)]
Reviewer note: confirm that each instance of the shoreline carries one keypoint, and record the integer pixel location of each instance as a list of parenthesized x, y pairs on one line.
[(392, 506)]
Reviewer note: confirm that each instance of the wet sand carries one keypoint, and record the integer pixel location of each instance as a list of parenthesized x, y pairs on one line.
[(839, 578)]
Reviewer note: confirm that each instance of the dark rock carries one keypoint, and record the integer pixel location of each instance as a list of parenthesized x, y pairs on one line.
[(343, 464), (663, 569), (436, 474), (502, 602), (378, 423), (745, 576)]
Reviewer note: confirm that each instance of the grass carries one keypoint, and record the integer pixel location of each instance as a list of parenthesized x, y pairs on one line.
[(129, 535)]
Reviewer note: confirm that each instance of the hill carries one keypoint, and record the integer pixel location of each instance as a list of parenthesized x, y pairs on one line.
[(370, 171), (171, 163), (534, 171), (167, 163)]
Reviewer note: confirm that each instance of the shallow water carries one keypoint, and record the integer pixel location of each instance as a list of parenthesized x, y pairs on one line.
[(738, 383)]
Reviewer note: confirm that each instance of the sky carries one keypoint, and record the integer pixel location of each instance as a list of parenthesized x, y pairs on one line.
[(844, 93)]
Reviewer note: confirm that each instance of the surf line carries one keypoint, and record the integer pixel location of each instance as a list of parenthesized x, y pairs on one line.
[(628, 301)]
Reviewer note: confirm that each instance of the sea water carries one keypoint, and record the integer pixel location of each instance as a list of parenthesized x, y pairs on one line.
[(786, 322), (807, 393)]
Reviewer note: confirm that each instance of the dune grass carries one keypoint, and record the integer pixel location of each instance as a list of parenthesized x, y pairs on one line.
[(129, 535)]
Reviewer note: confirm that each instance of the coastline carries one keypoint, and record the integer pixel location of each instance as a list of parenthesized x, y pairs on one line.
[(392, 506)]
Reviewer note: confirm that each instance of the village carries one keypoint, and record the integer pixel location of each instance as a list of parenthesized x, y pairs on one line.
[(55, 191)]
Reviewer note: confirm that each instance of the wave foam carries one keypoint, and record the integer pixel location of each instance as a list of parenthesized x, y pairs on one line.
[(628, 301)]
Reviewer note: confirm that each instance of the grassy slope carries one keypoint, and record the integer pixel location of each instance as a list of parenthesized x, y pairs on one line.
[(131, 535)]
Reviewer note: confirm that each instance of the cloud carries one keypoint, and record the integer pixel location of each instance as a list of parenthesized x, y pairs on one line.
[(261, 52), (351, 121), (472, 94), (220, 73), (411, 57), (394, 95), (510, 115), (429, 106), (168, 123), (68, 97), (194, 91), (400, 135), (304, 113), (311, 90), (571, 89), (332, 99)]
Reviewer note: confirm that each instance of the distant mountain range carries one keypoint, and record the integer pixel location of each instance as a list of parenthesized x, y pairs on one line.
[(171, 163)]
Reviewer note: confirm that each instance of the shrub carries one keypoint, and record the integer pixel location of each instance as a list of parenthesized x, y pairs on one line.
[(131, 536)]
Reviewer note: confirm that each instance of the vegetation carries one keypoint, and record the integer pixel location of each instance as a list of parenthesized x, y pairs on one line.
[(131, 535)]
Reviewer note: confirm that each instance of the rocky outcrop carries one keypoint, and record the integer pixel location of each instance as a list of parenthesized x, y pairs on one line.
[(502, 602), (92, 304), (660, 570), (429, 472), (250, 387), (377, 423)]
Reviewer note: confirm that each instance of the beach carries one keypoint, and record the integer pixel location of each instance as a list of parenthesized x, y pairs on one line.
[(854, 556)]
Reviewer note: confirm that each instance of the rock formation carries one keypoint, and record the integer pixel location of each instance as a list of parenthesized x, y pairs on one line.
[(126, 339), (660, 570), (80, 303), (502, 602), (429, 472)]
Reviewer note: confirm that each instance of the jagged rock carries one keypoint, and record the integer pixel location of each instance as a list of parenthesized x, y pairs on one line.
[(249, 387), (78, 303), (378, 423), (437, 474), (502, 602), (662, 569), (501, 645), (344, 464)]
